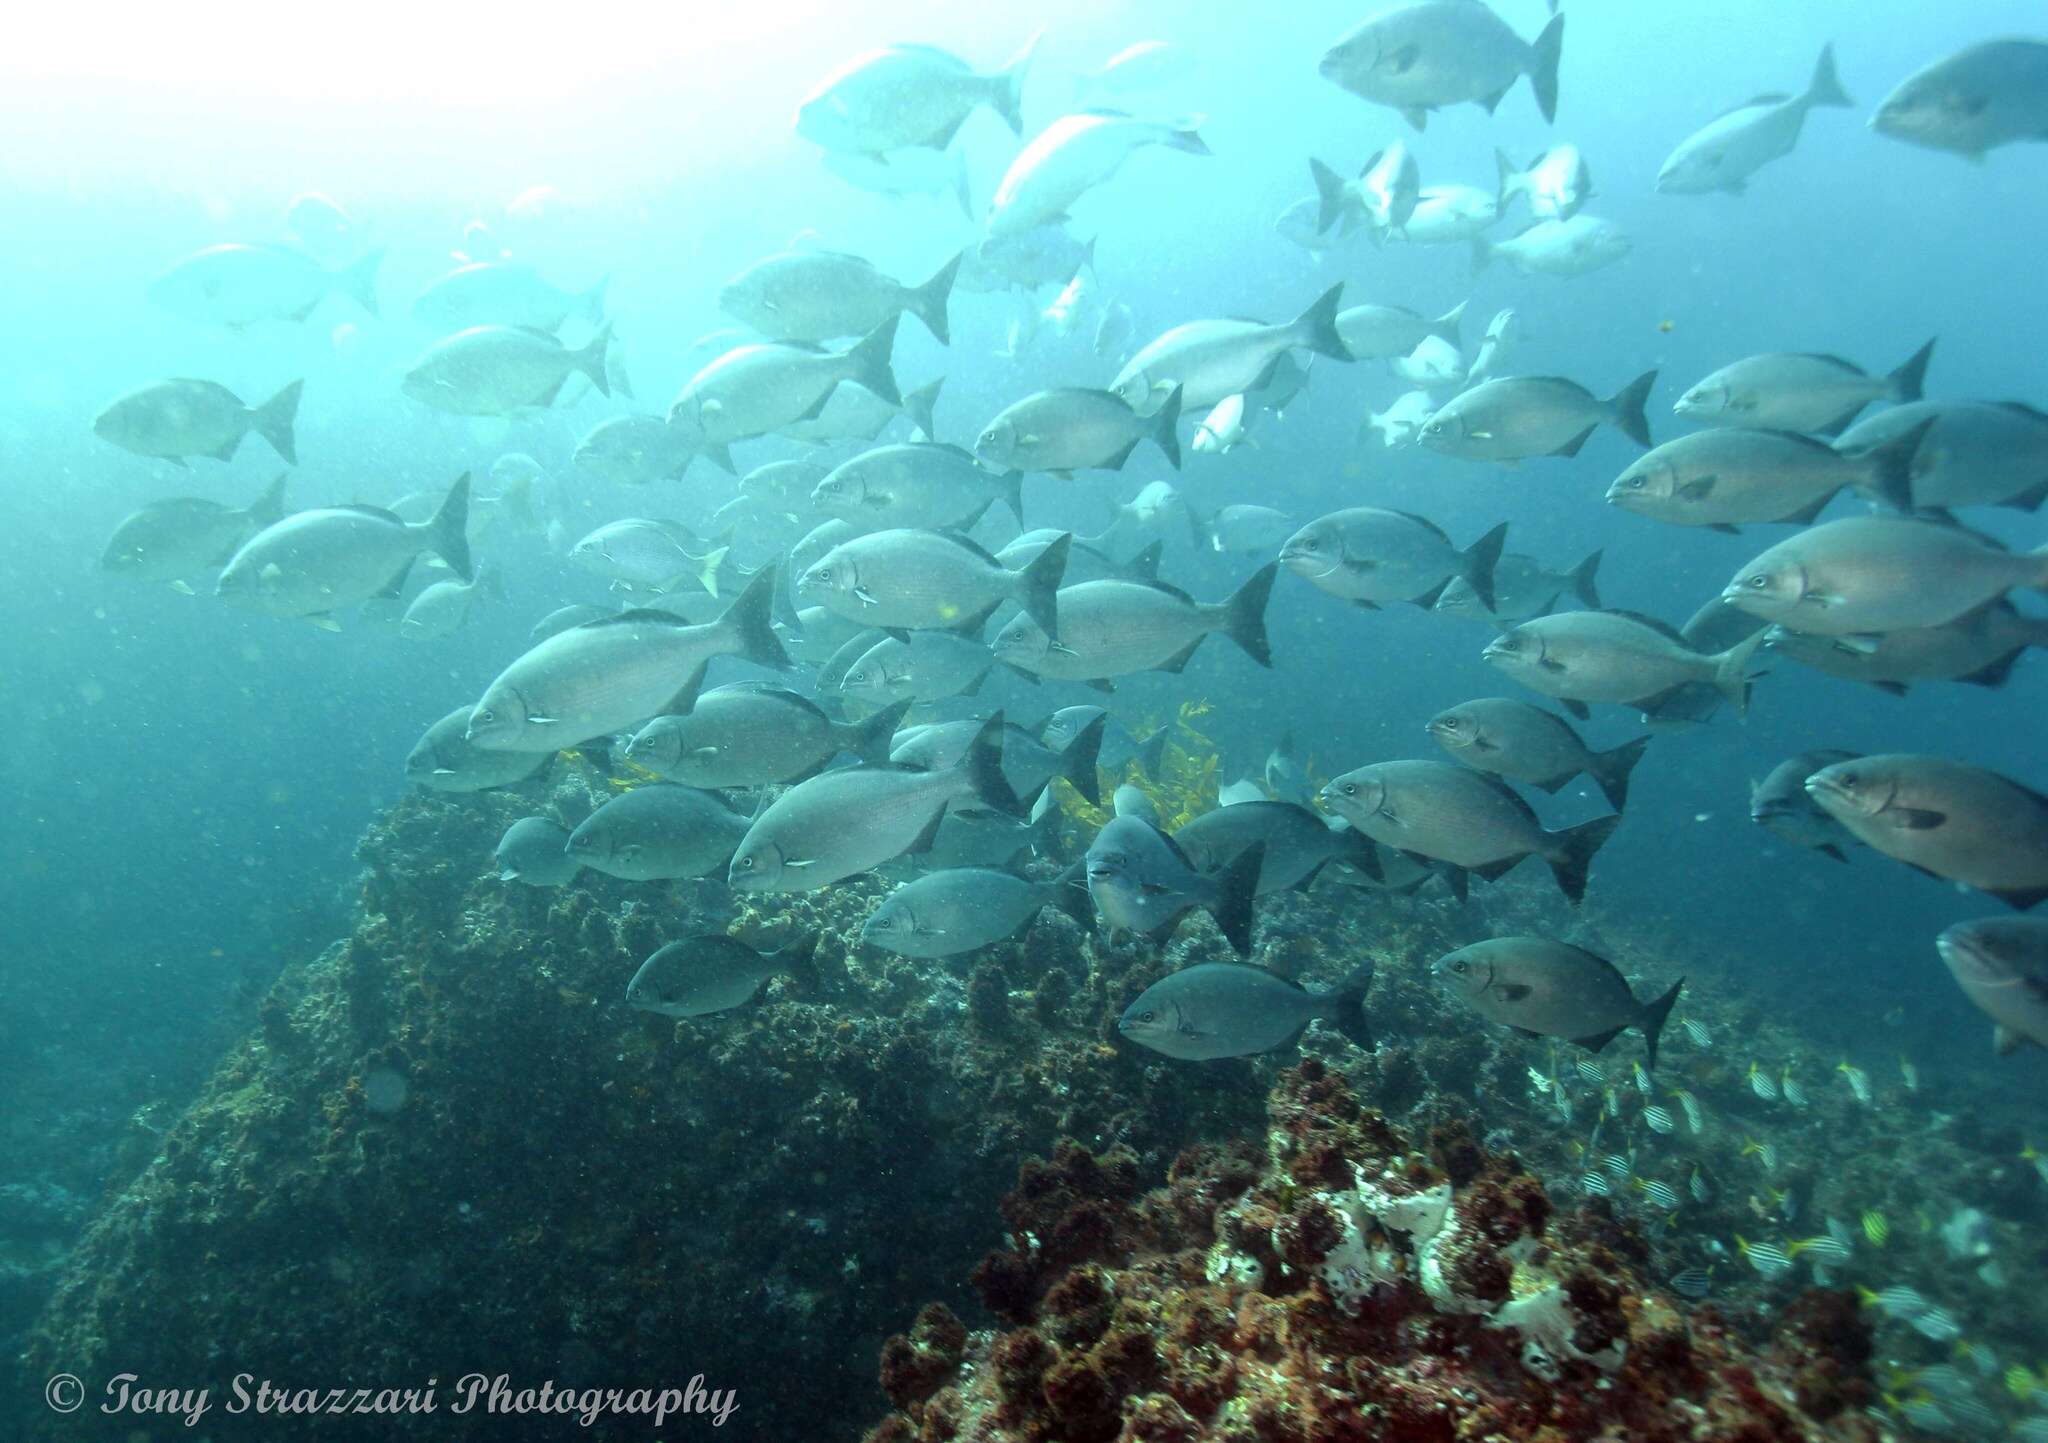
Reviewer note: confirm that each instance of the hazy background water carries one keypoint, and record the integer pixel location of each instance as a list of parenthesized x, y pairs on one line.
[(186, 781)]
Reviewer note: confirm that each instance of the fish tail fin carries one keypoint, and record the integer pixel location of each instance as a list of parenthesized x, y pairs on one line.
[(1237, 889), (590, 360), (268, 509), (1329, 194), (1008, 97), (1576, 846), (799, 958), (1203, 529), (1038, 584), (1244, 614), (751, 620), (1316, 327), (982, 769), (869, 741), (1907, 380), (1070, 893), (1509, 183), (1164, 424), (591, 302), (1626, 408), (449, 529), (1890, 473), (1478, 561), (1482, 253), (1446, 327), (490, 582), (867, 364), (1731, 671), (1584, 584), (358, 279), (1610, 770), (1346, 1004), (1655, 1015), (928, 301), (1010, 490), (1152, 750), (1543, 58), (1826, 86), (919, 404), (1078, 759), (963, 185), (1185, 134), (274, 418)]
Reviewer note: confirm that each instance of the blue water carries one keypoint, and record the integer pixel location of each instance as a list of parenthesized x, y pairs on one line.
[(186, 782)]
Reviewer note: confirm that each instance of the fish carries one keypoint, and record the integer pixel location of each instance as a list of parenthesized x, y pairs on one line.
[(564, 617), (1724, 153), (1972, 453), (1785, 391), (1858, 1080), (535, 851), (1552, 989), (908, 579), (1464, 820), (819, 295), (1385, 194), (1659, 1119), (1592, 1071), (754, 390), (1517, 417), (504, 293), (1114, 628), (1791, 1089), (176, 419), (1285, 776), (1702, 1191), (1449, 214), (1692, 1283), (1869, 575), (1435, 365), (784, 484), (2001, 965), (1424, 55), (1696, 1032), (856, 414), (1115, 329), (1616, 1165), (1382, 333), (1130, 800), (841, 823), (1595, 1184), (920, 666), (1514, 739), (441, 609), (918, 484), (908, 172), (1048, 255), (1764, 1152), (903, 96), (444, 761), (946, 913), (1072, 156), (1369, 556), (1143, 66), (1909, 1075), (1503, 334), (1556, 184), (1029, 764), (1949, 819), (1645, 1084), (1779, 804), (1523, 589), (1659, 1195), (1073, 429), (500, 370), (644, 554), (1143, 882), (609, 675), (1068, 307), (1245, 529), (1229, 1009), (1223, 429), (1621, 657), (1760, 1083), (712, 972), (1728, 477), (1986, 95), (237, 285), (181, 536), (1298, 843), (1770, 1260), (1402, 421), (1564, 248), (658, 831), (637, 450), (754, 734), (313, 562), (1208, 360)]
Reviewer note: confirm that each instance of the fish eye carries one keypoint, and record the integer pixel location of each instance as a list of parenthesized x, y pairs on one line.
[(1145, 1016), (1349, 789), (482, 716), (745, 864), (1450, 723), (1461, 967), (1758, 582), (1847, 781), (1635, 483)]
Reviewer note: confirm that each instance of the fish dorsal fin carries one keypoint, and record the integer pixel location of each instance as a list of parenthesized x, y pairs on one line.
[(1830, 359), (1769, 97), (2021, 408), (362, 509), (1424, 522), (968, 543), (1663, 628), (1509, 794), (1153, 583), (637, 616), (1105, 112), (1092, 392), (1175, 847), (1599, 1039)]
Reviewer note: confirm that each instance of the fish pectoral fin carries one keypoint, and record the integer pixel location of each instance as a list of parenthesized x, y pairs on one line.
[(1915, 819), (1577, 708), (805, 862), (1514, 991), (929, 836), (864, 596), (1525, 1031), (1698, 488), (324, 621), (541, 721), (1152, 889), (1599, 1040), (1060, 648), (183, 588)]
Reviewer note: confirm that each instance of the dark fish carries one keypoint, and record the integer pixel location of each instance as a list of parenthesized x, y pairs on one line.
[(1228, 1009), (753, 734), (1513, 418), (1369, 556), (1779, 804), (906, 580), (181, 536), (1028, 764), (943, 914), (1979, 649), (712, 973), (656, 832), (1116, 628), (1620, 657), (1948, 819), (1552, 989), (1972, 453), (1796, 391), (1422, 55), (445, 761), (1298, 843), (1527, 743), (535, 851), (1143, 882), (1727, 477), (1069, 430), (180, 418), (2001, 963), (1523, 589), (1987, 95)]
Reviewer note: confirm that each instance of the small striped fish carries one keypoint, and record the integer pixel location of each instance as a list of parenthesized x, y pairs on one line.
[(1760, 1083), (1858, 1080), (1695, 1120), (1692, 1283), (1770, 1260), (1595, 1183), (1792, 1090), (1659, 1119)]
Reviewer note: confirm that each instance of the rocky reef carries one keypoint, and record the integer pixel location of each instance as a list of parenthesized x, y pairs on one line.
[(1346, 1282)]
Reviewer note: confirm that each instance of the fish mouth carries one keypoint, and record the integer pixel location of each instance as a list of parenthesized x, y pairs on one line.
[(1733, 593), (1305, 564)]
